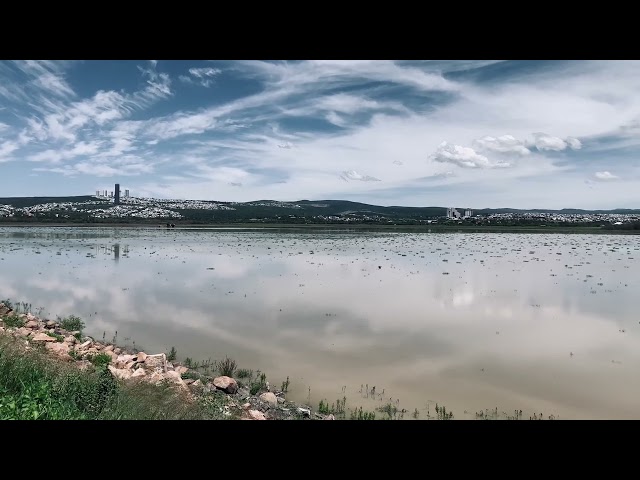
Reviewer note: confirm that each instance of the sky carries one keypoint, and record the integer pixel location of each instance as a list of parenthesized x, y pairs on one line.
[(464, 133)]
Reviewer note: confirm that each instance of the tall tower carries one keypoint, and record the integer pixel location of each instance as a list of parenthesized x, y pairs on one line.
[(117, 198)]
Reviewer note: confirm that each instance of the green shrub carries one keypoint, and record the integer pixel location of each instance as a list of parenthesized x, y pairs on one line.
[(226, 367), (59, 338), (101, 360), (72, 323), (171, 356), (13, 321)]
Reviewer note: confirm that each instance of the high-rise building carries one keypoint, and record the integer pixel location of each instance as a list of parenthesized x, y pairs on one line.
[(117, 198), (97, 193), (104, 193), (126, 193)]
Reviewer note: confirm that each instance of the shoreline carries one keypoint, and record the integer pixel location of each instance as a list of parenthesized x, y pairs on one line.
[(245, 398), (587, 230)]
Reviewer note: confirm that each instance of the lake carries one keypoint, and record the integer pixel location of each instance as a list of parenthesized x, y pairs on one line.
[(543, 323)]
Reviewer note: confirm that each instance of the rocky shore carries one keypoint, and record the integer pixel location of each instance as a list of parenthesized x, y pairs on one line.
[(127, 365)]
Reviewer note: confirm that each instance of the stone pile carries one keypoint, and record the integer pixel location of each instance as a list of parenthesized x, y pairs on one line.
[(128, 366)]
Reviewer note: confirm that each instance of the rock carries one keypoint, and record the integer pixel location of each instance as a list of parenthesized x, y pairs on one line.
[(141, 356), (256, 415), (181, 370), (50, 324), (304, 411), (111, 354), (24, 331), (330, 417), (4, 310), (246, 406), (123, 360), (60, 349), (189, 381), (226, 384), (197, 383), (280, 400), (117, 351), (84, 345), (23, 316), (43, 337), (130, 365), (98, 346), (169, 366), (269, 398), (139, 373), (31, 317), (70, 340), (175, 378), (108, 348), (156, 362), (121, 374), (31, 324)]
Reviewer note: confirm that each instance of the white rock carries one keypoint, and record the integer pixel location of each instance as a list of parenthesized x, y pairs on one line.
[(118, 373), (269, 398), (142, 356), (226, 384), (32, 324), (43, 337), (304, 411), (139, 373), (256, 415)]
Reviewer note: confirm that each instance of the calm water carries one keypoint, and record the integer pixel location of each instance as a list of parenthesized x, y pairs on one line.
[(541, 323)]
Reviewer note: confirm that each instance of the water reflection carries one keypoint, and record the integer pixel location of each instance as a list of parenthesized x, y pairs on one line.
[(471, 321)]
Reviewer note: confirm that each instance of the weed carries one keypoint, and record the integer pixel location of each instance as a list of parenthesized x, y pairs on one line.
[(171, 356), (72, 323), (442, 413), (73, 354), (226, 367), (390, 409), (285, 385), (258, 385), (13, 321), (416, 414), (323, 407), (188, 362), (360, 414), (244, 373), (7, 303), (59, 338), (78, 336)]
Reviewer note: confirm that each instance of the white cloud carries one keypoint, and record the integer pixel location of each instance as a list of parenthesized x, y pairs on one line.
[(334, 118), (286, 145), (353, 175), (573, 143), (464, 157), (4, 127), (605, 176), (501, 144), (7, 148), (201, 76), (542, 141)]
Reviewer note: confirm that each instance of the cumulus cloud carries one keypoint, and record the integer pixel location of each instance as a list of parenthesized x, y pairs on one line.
[(465, 157), (7, 148), (201, 76), (542, 142), (353, 175), (605, 176), (501, 144), (285, 145)]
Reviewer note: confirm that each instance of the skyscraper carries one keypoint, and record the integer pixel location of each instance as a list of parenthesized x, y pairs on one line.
[(97, 193), (126, 193), (117, 199)]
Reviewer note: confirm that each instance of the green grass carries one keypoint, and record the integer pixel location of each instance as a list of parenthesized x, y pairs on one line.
[(226, 367), (13, 321), (244, 373), (59, 338), (72, 323), (101, 360), (33, 386)]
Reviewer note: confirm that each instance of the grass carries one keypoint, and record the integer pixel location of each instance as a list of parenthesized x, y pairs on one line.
[(258, 385), (244, 373), (226, 367), (101, 360), (13, 321), (7, 303), (59, 338), (360, 414), (72, 323), (33, 386)]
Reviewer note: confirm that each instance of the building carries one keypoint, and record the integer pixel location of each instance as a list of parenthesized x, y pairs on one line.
[(453, 214), (117, 196), (104, 193), (468, 213), (126, 193), (97, 193)]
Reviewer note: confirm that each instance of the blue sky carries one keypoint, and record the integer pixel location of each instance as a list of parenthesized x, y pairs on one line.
[(522, 134)]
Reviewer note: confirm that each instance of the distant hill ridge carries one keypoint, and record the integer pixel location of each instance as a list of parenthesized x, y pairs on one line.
[(328, 207)]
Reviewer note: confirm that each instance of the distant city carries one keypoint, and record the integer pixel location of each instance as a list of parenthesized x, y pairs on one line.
[(108, 205)]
